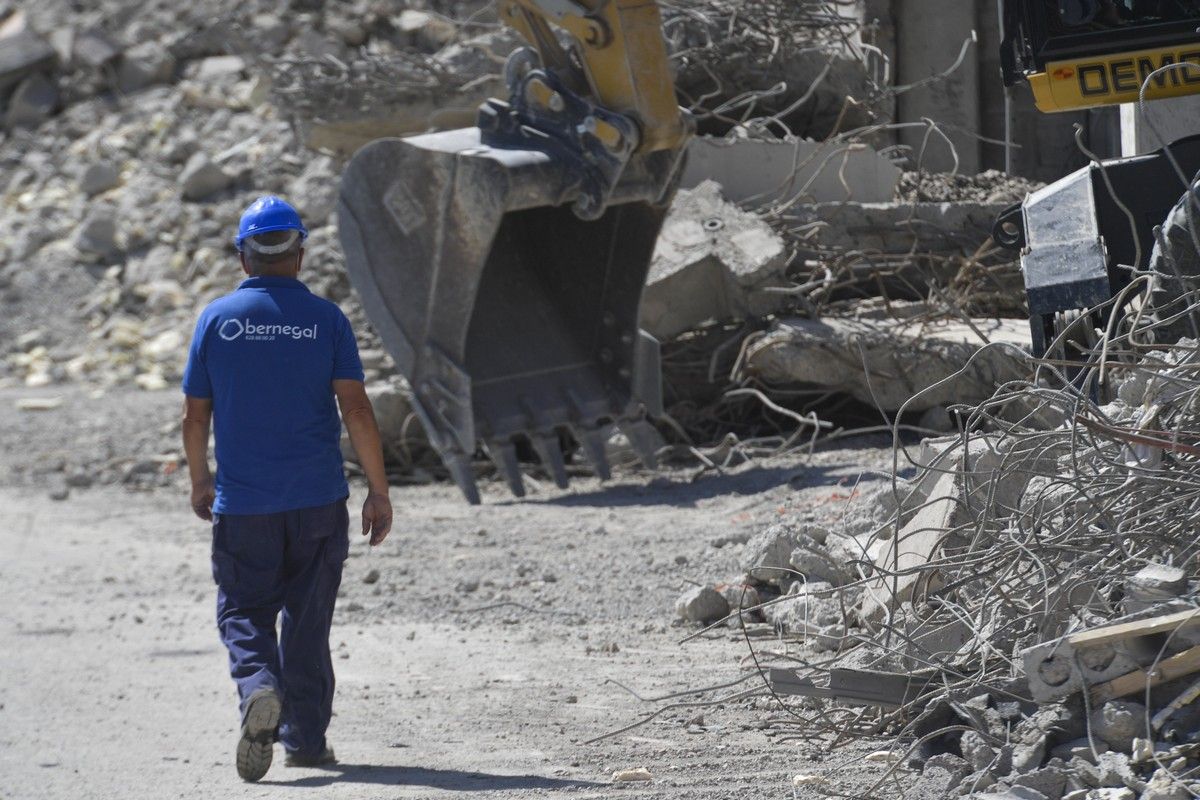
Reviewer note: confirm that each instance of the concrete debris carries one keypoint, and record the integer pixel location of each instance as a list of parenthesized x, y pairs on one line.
[(808, 609), (1107, 793), (759, 172), (988, 187), (801, 781), (767, 556), (402, 435), (889, 363), (897, 228), (143, 65), (1117, 723), (97, 235), (853, 687), (94, 49), (201, 178), (38, 403), (22, 53), (916, 545), (1086, 749), (1050, 782), (701, 604), (1165, 786), (632, 775), (218, 69), (739, 596), (98, 178), (1152, 585), (33, 102), (714, 261), (993, 548)]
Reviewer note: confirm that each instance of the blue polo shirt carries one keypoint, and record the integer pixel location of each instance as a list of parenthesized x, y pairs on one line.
[(267, 355)]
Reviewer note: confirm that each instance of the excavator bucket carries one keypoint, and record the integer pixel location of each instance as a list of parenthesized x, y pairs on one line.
[(513, 319)]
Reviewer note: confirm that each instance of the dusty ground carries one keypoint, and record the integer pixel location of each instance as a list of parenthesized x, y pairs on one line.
[(477, 662)]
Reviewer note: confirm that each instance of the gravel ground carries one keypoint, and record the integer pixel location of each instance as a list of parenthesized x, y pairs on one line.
[(473, 648)]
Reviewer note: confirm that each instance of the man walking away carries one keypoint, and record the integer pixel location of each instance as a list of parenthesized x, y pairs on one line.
[(265, 366)]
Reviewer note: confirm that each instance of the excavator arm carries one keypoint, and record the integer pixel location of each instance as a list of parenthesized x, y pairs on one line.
[(502, 265), (622, 54)]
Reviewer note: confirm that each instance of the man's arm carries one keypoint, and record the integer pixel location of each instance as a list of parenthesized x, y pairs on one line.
[(359, 419), (197, 417)]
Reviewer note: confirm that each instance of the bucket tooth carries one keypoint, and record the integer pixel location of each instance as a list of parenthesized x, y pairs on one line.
[(550, 452), (642, 438), (592, 442), (504, 455), (460, 470)]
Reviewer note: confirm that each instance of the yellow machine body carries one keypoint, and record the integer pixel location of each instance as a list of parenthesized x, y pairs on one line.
[(1117, 78)]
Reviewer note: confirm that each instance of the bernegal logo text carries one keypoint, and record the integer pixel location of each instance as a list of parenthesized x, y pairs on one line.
[(251, 331)]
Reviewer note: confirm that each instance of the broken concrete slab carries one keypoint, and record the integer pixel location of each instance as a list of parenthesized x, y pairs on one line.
[(890, 362), (915, 546), (713, 261), (760, 172), (23, 53), (897, 228), (853, 686)]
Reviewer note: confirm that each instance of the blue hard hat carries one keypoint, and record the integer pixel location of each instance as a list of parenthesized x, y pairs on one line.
[(269, 213)]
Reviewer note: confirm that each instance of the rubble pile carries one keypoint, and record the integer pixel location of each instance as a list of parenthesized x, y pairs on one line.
[(732, 72), (119, 198), (1025, 601)]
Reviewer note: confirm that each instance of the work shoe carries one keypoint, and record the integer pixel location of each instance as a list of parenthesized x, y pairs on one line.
[(259, 726), (323, 759)]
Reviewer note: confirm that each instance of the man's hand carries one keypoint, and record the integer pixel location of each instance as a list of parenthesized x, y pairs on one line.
[(203, 497), (197, 418), (377, 517)]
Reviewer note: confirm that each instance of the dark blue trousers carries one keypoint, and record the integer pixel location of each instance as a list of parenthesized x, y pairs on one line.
[(290, 562)]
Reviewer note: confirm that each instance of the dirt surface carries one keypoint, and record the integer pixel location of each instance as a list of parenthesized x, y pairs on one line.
[(477, 661)]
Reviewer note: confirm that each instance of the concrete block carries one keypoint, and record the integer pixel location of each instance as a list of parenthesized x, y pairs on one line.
[(888, 361), (713, 261), (701, 604), (759, 172), (1152, 585)]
